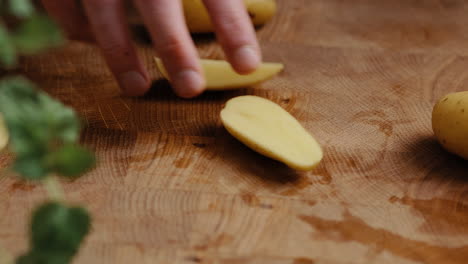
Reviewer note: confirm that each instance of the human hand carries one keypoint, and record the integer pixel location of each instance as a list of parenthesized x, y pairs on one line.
[(104, 22)]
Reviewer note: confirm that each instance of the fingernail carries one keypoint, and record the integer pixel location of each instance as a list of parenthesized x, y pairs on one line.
[(188, 83), (246, 59), (133, 83)]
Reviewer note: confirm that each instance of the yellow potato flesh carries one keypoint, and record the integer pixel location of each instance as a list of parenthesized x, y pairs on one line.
[(450, 123), (271, 131), (3, 134), (220, 75)]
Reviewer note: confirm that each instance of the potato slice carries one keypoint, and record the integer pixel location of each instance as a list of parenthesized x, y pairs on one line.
[(3, 134), (220, 75), (268, 129)]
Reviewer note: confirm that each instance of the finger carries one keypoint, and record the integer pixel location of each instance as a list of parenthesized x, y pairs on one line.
[(107, 19), (69, 15), (166, 24), (236, 33)]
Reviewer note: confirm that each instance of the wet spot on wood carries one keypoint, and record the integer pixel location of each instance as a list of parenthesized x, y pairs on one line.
[(351, 163), (194, 259), (326, 177), (201, 247), (393, 199), (183, 163), (221, 240), (250, 199), (385, 127), (445, 216), (303, 261), (199, 145), (302, 183), (22, 186), (354, 229), (266, 206), (289, 192)]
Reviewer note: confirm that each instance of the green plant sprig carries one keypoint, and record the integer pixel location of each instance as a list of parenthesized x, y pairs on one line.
[(44, 138)]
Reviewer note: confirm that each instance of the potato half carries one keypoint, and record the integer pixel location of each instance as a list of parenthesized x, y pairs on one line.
[(271, 131), (221, 76), (450, 123)]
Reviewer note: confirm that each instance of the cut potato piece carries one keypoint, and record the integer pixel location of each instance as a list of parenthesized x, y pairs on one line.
[(3, 134), (268, 129), (221, 76)]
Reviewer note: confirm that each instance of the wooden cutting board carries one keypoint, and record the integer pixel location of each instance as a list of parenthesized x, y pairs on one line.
[(172, 186)]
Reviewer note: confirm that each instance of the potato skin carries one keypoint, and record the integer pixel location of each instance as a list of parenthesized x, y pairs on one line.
[(198, 20), (261, 11), (450, 123)]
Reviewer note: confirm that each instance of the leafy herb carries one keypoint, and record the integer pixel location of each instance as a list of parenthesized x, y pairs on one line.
[(72, 160), (56, 233), (7, 48), (43, 132), (21, 8), (37, 33), (43, 135)]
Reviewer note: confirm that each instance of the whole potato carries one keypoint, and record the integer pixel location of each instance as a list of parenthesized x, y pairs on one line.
[(198, 19), (450, 123)]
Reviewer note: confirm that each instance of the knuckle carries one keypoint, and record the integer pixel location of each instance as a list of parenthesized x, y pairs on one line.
[(171, 45), (231, 24), (114, 49)]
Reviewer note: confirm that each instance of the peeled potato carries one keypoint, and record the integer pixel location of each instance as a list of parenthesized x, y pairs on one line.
[(450, 123), (220, 75), (198, 19), (3, 134), (271, 131)]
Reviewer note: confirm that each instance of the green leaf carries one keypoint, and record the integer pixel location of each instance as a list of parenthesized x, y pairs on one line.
[(7, 49), (43, 132), (72, 160), (31, 167), (62, 119), (26, 124), (18, 103), (33, 118), (57, 232), (36, 34), (58, 229), (21, 8)]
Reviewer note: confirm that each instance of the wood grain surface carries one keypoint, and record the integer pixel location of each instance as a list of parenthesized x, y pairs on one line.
[(172, 186)]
